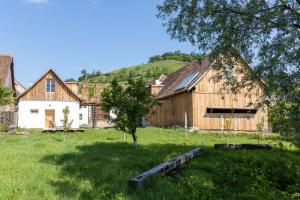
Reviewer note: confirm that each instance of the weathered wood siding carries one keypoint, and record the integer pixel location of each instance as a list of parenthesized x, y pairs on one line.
[(172, 111), (207, 94), (38, 92)]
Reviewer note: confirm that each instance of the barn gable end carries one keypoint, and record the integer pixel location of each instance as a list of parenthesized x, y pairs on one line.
[(218, 109)]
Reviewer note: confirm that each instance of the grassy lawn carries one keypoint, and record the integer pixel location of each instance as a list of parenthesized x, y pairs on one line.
[(98, 164)]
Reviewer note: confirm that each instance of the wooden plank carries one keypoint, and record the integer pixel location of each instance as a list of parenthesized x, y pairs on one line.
[(243, 146), (164, 168), (47, 130)]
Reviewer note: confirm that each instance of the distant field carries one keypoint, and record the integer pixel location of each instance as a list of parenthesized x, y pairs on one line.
[(97, 165)]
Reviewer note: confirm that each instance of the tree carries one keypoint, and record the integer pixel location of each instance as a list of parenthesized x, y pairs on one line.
[(129, 104), (6, 95), (70, 80), (83, 75), (266, 33)]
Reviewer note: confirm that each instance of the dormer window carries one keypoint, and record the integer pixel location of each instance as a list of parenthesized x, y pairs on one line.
[(228, 72), (50, 85)]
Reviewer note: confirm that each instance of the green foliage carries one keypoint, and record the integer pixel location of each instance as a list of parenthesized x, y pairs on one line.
[(70, 80), (284, 117), (80, 89), (85, 75), (6, 95), (3, 128), (176, 55), (66, 112), (129, 104), (260, 125), (91, 91), (148, 71), (266, 33), (50, 169)]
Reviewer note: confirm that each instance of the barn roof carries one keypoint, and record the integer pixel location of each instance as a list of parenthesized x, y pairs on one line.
[(6, 63), (184, 78)]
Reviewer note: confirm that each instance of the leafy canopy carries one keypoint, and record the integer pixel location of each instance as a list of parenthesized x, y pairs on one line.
[(266, 33), (6, 95), (129, 103)]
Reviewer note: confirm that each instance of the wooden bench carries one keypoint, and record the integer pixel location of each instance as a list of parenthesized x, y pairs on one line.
[(164, 168)]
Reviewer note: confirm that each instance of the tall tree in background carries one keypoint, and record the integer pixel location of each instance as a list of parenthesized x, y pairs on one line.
[(265, 33), (129, 104)]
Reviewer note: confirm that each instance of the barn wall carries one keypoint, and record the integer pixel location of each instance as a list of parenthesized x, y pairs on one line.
[(208, 94), (172, 111)]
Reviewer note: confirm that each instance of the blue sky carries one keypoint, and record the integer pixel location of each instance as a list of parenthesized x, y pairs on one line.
[(71, 35)]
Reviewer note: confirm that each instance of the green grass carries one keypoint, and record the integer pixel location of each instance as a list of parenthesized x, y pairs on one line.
[(98, 164)]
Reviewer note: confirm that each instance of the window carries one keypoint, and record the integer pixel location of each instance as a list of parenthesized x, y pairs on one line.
[(182, 84), (228, 72), (50, 85), (80, 116), (34, 111), (231, 110)]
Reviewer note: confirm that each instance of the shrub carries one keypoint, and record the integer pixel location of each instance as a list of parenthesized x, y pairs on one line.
[(3, 128)]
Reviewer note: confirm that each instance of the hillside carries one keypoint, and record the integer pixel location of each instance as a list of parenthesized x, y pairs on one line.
[(148, 71), (168, 66)]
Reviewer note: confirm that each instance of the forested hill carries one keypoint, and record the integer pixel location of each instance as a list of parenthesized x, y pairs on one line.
[(157, 65)]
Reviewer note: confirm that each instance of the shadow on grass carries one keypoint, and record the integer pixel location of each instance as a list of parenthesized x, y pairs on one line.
[(102, 171)]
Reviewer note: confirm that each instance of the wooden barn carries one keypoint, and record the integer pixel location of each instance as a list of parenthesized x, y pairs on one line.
[(190, 98)]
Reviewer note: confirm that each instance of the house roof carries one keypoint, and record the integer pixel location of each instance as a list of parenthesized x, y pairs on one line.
[(161, 78), (58, 78), (19, 88), (6, 63), (197, 68)]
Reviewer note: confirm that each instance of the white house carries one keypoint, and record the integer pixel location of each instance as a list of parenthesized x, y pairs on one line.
[(42, 105)]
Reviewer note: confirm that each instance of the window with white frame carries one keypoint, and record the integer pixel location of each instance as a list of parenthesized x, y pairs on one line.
[(50, 85)]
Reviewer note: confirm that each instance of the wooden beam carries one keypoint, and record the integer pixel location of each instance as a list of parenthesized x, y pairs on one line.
[(243, 146), (164, 168)]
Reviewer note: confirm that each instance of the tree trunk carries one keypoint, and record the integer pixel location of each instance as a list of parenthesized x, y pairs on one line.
[(134, 138)]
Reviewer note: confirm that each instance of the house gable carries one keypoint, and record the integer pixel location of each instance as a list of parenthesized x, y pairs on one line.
[(37, 92)]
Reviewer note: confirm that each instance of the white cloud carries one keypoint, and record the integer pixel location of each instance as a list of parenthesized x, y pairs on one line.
[(37, 1)]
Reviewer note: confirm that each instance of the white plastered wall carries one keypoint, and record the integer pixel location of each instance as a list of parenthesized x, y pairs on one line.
[(26, 119), (84, 111)]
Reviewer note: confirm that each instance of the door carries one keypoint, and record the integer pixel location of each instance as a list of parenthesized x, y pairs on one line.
[(49, 118)]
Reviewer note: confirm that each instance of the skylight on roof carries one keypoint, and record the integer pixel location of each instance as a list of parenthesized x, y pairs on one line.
[(182, 84)]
